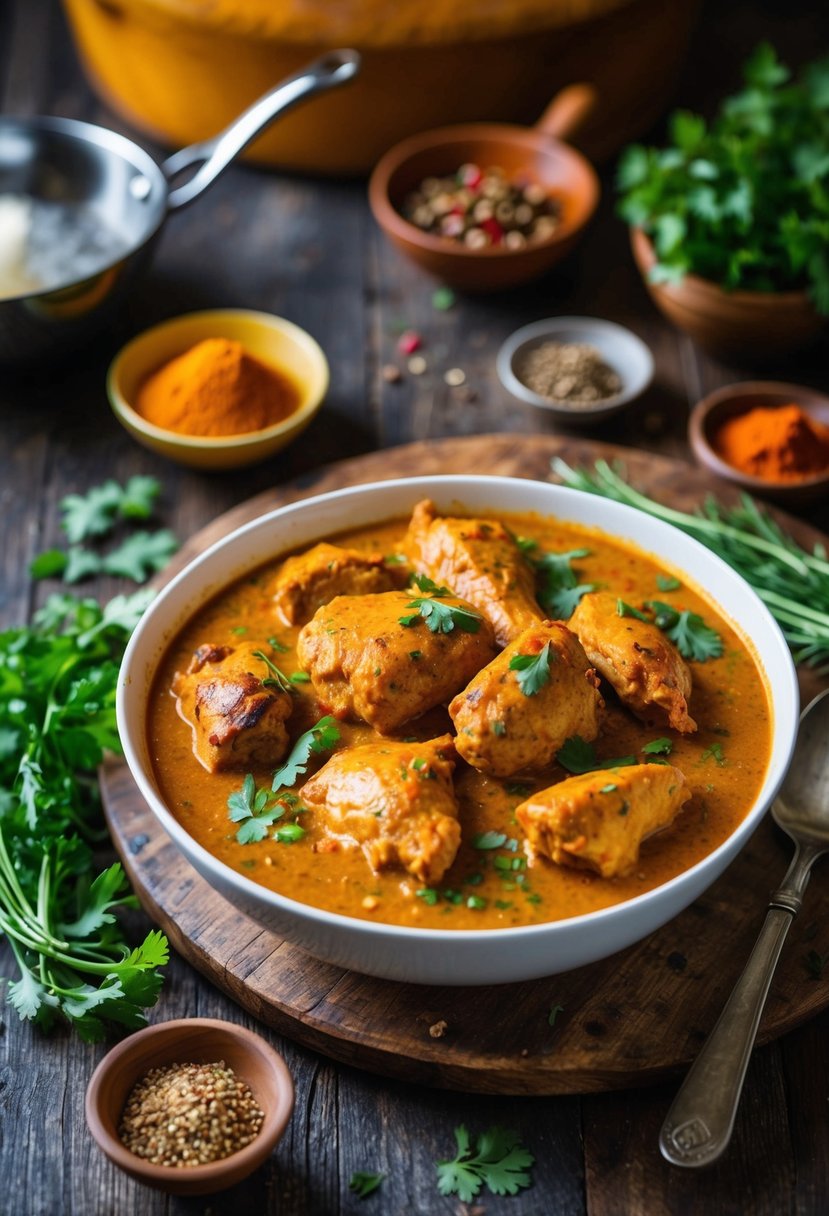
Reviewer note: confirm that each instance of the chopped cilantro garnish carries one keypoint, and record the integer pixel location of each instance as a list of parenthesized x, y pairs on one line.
[(579, 756), (439, 617), (623, 609), (716, 751), (688, 631), (320, 738), (659, 747), (667, 582), (489, 840), (428, 894), (552, 1016), (532, 670)]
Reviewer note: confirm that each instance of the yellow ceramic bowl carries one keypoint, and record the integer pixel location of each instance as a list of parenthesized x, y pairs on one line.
[(274, 341)]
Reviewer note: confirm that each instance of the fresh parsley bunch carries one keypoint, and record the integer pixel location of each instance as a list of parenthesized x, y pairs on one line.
[(745, 201), (57, 719)]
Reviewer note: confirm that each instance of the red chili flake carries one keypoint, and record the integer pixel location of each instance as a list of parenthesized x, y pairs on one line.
[(409, 342), (493, 230), (470, 176)]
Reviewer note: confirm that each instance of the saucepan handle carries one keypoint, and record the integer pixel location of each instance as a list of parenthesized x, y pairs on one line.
[(214, 155), (568, 111)]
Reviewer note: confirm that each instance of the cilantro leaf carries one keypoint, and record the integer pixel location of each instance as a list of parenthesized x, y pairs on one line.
[(439, 617), (138, 497), (277, 677), (499, 1161), (558, 589), (142, 554), (532, 670), (489, 840), (688, 631), (578, 756), (90, 514), (666, 582), (364, 1184), (49, 564), (320, 738), (659, 747), (715, 751)]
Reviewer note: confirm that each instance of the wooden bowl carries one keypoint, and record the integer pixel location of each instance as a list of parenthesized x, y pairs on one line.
[(538, 153), (755, 325), (185, 1041), (271, 339), (708, 414)]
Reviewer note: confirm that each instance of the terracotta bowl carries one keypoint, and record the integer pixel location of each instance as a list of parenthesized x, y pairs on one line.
[(708, 414), (754, 325), (186, 1041), (271, 339), (536, 152)]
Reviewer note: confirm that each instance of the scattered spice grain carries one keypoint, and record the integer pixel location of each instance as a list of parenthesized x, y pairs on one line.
[(417, 365), (184, 1115), (455, 377), (572, 372), (438, 1029)]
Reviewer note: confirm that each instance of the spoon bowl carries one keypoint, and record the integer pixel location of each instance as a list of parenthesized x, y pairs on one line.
[(698, 1127)]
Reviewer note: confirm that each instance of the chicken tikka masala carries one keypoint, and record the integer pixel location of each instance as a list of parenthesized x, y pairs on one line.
[(460, 723)]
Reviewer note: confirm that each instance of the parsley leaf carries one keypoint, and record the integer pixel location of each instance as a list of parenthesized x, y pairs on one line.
[(364, 1184), (499, 1161), (320, 738), (90, 514), (532, 670), (142, 554)]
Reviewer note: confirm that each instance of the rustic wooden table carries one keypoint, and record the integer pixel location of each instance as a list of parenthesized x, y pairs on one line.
[(308, 250)]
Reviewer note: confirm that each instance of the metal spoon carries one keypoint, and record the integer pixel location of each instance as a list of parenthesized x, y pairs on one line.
[(700, 1122)]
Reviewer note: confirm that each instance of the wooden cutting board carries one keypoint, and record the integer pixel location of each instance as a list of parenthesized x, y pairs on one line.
[(627, 1020)]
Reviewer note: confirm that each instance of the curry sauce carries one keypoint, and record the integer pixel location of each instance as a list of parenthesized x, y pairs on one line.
[(492, 882)]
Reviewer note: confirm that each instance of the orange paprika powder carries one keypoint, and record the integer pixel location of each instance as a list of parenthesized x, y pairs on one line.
[(216, 388), (777, 443)]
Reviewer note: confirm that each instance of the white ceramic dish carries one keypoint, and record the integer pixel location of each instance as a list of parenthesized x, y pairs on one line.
[(628, 355), (439, 956)]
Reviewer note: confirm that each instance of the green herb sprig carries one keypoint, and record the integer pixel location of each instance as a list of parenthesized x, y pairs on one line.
[(791, 581), (439, 618), (558, 589), (532, 670), (57, 719), (743, 201), (498, 1161)]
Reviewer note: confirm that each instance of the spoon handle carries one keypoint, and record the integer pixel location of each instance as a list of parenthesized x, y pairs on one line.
[(699, 1124)]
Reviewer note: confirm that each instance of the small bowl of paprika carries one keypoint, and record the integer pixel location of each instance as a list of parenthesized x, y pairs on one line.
[(769, 438), (218, 389)]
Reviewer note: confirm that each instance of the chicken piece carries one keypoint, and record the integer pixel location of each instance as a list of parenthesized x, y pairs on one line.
[(478, 559), (312, 579), (365, 663), (646, 670), (504, 727), (598, 820), (236, 721), (393, 800)]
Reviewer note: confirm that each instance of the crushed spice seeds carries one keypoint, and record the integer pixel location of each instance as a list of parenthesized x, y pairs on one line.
[(185, 1115), (572, 372)]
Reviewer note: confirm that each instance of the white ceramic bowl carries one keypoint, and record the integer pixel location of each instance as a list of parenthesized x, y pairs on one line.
[(628, 355), (440, 956)]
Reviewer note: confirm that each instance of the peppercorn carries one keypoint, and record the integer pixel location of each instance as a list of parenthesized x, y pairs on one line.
[(482, 208)]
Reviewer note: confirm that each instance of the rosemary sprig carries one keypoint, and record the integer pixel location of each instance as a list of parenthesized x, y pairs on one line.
[(793, 583)]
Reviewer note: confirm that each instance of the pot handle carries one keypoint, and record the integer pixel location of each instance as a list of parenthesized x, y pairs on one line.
[(568, 111), (328, 72)]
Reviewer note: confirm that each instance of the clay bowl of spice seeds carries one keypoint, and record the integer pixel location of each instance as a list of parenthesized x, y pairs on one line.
[(580, 369), (190, 1106), (218, 389), (769, 438), (487, 206)]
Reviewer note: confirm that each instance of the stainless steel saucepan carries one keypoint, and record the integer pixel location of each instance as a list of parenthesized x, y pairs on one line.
[(120, 198)]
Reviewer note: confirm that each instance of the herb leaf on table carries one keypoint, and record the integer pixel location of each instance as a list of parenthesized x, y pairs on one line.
[(499, 1161), (58, 678)]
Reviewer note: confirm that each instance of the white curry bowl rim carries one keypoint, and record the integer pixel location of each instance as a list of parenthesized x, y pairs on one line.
[(453, 956)]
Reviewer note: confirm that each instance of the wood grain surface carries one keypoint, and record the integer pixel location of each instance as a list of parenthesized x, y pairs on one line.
[(631, 1018)]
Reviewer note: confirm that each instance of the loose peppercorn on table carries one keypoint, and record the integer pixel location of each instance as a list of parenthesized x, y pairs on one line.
[(307, 250)]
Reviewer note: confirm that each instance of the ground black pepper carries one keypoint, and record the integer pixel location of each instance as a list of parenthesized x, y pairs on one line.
[(572, 372)]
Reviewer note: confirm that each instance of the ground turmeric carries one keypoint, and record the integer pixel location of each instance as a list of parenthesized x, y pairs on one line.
[(216, 388), (777, 443)]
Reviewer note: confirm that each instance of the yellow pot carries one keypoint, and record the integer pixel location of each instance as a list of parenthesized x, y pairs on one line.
[(180, 70)]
